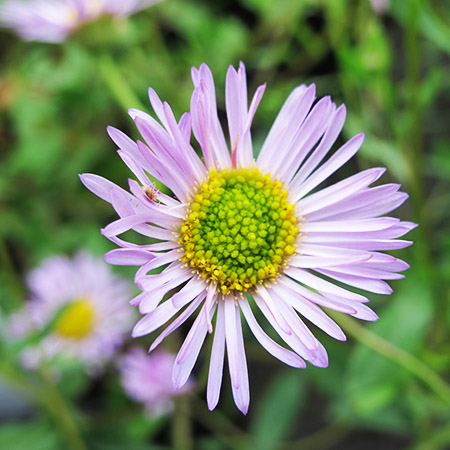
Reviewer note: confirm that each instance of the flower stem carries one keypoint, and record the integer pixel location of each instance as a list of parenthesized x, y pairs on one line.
[(395, 354), (182, 438), (46, 395), (124, 95), (51, 399), (224, 429), (117, 84)]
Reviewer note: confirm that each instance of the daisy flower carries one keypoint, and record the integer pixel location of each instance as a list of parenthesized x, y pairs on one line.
[(242, 234), (54, 20), (84, 303), (147, 379)]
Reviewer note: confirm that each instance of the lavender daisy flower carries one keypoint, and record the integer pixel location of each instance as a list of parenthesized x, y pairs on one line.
[(92, 303), (54, 20), (147, 379), (244, 234)]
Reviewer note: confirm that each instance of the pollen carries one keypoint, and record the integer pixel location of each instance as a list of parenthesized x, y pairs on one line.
[(240, 230), (76, 321)]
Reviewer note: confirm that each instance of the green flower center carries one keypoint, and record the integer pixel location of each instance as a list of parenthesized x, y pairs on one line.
[(240, 229), (76, 321)]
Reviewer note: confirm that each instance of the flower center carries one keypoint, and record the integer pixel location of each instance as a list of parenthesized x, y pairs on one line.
[(76, 321), (240, 229)]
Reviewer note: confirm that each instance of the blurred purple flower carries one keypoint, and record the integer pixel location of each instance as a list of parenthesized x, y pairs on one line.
[(380, 6), (89, 307), (240, 225), (54, 20), (147, 379)]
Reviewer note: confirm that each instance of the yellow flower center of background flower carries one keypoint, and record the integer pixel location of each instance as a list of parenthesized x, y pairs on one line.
[(240, 229), (76, 321)]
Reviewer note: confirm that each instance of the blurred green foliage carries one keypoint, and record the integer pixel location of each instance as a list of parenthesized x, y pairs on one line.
[(391, 71)]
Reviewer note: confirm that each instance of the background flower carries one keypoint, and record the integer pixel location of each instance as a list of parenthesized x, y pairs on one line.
[(84, 303), (380, 6), (54, 20), (147, 379)]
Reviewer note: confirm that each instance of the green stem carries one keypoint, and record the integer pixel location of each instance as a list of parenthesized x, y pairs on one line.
[(224, 429), (46, 395), (117, 84), (50, 397), (124, 95), (182, 436), (395, 354)]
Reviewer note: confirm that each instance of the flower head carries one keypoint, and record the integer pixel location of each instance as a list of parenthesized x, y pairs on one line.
[(54, 20), (246, 235), (84, 305), (147, 379)]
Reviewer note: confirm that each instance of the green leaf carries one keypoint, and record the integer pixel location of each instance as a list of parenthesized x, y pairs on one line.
[(277, 410)]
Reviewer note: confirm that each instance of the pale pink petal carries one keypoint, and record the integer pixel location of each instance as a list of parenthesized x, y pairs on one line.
[(306, 138), (330, 136), (291, 339), (323, 286), (128, 257), (363, 312), (216, 362), (194, 287), (368, 272), (185, 126), (312, 262), (100, 186), (346, 152), (368, 284), (125, 224), (188, 354), (178, 321), (155, 319), (359, 244), (356, 226), (236, 355), (344, 306), (312, 313), (270, 345), (288, 121), (157, 260), (263, 295), (306, 248), (338, 191), (210, 299)]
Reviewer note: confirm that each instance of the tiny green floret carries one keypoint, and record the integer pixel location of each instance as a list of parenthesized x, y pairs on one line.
[(240, 229)]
